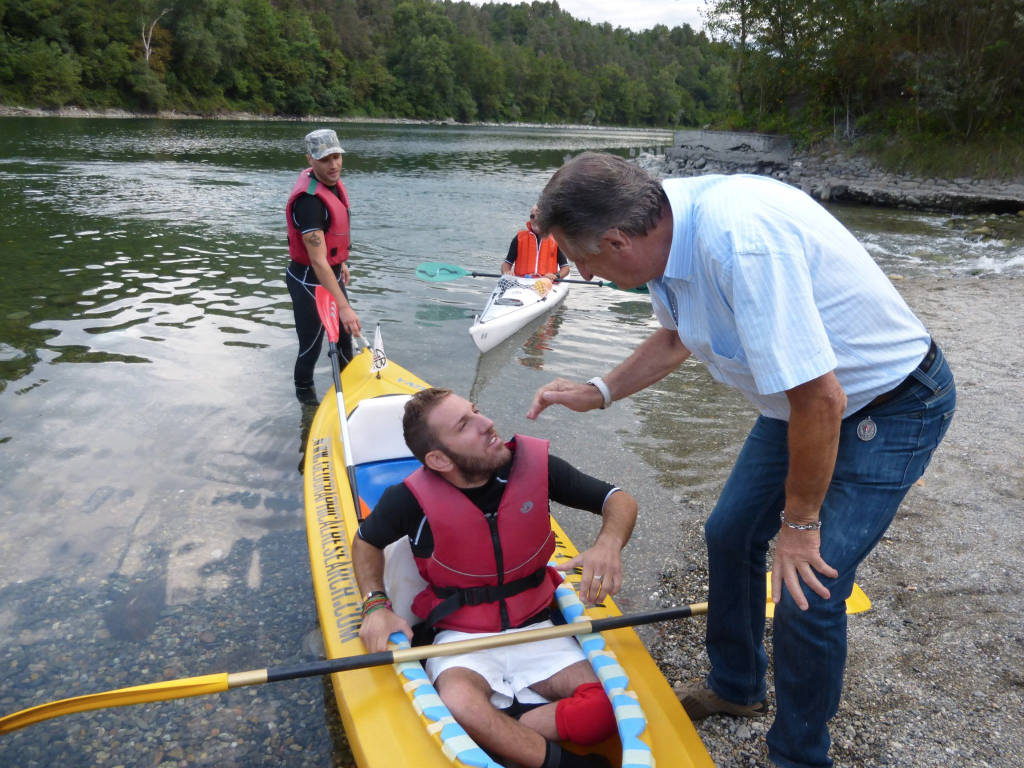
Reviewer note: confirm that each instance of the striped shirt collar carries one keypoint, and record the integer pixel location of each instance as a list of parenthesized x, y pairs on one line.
[(682, 194)]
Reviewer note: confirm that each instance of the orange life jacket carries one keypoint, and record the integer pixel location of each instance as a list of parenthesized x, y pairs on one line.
[(488, 573), (533, 258), (336, 237)]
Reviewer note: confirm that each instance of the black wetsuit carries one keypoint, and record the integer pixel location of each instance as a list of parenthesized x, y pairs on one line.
[(309, 213)]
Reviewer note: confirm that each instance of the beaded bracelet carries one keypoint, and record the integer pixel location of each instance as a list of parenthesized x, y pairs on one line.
[(815, 526), (375, 600), (368, 609)]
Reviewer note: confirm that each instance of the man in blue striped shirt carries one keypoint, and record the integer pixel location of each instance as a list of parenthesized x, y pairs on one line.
[(762, 285)]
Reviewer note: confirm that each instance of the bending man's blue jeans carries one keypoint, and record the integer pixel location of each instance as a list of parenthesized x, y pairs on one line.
[(870, 480)]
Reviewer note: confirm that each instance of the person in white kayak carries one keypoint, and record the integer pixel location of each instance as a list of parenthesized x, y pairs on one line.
[(477, 519), (533, 256)]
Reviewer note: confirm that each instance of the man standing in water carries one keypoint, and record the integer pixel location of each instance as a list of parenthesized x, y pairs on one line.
[(780, 301), (317, 216)]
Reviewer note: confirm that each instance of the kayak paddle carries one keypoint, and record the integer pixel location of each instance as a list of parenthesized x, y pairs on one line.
[(327, 308), (441, 272), (223, 681)]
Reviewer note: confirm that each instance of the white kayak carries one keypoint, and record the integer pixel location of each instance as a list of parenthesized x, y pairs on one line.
[(514, 302)]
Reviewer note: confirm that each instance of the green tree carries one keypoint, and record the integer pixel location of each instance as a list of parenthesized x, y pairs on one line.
[(147, 88), (966, 61), (421, 57), (734, 20), (416, 58), (482, 73), (666, 97), (51, 76)]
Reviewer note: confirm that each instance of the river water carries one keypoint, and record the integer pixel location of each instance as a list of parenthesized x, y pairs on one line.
[(151, 521)]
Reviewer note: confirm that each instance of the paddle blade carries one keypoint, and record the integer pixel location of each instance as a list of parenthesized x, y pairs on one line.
[(380, 360), (638, 289), (439, 272), (327, 307), (171, 689), (857, 602)]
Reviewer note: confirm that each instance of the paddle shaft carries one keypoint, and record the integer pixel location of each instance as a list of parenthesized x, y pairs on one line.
[(216, 683), (418, 653), (441, 272), (327, 308), (597, 283), (343, 419)]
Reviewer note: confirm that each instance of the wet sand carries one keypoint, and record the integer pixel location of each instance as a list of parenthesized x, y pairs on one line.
[(935, 672)]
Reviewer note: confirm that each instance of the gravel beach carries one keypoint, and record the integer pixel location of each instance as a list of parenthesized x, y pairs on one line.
[(935, 673)]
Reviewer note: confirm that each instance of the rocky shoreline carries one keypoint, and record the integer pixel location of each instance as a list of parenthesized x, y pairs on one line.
[(830, 174)]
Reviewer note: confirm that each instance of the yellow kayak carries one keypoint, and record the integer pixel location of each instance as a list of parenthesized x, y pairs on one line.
[(391, 716)]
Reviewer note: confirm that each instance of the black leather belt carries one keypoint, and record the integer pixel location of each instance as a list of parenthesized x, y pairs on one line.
[(902, 387)]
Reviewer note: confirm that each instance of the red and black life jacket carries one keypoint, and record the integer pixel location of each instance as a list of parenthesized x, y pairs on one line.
[(337, 236), (488, 572), (534, 259)]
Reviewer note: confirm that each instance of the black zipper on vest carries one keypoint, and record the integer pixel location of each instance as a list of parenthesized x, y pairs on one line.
[(492, 522)]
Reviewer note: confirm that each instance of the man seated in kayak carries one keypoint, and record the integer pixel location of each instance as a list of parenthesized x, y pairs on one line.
[(477, 517), (532, 256)]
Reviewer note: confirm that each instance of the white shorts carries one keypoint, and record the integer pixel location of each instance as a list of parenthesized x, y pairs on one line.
[(511, 669)]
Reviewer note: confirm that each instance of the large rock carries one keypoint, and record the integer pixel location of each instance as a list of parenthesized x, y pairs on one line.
[(828, 176), (698, 149)]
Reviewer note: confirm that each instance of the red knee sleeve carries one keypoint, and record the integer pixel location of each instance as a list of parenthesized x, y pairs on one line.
[(586, 717)]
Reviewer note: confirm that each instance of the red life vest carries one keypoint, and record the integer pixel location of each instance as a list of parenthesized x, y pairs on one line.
[(534, 259), (337, 237), (487, 575)]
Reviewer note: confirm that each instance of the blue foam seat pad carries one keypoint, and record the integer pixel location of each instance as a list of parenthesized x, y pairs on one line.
[(376, 476)]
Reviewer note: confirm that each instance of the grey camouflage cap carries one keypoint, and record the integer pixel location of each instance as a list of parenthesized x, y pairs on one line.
[(322, 142)]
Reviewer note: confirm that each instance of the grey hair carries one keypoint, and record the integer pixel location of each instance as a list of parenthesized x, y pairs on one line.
[(595, 192)]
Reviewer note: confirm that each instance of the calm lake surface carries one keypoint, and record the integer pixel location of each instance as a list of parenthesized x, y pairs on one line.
[(151, 513)]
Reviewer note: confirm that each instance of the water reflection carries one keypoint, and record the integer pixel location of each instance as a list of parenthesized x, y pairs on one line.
[(115, 308), (531, 347), (440, 312), (249, 145), (690, 429), (128, 634), (541, 341)]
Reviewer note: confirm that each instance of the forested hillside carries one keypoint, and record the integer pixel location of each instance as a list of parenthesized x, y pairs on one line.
[(951, 68), (932, 72), (394, 58)]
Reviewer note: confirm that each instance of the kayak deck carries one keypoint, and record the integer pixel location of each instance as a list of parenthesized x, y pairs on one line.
[(381, 724), (513, 303)]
